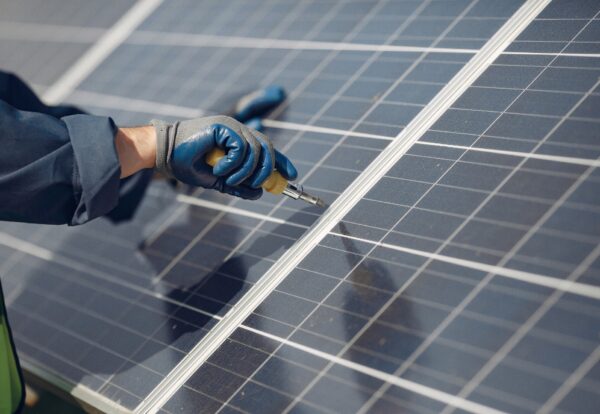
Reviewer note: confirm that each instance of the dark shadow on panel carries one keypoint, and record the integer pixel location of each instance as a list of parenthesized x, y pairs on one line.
[(114, 354), (253, 354), (369, 273)]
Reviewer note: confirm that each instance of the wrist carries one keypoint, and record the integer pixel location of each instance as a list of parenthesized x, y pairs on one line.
[(136, 149)]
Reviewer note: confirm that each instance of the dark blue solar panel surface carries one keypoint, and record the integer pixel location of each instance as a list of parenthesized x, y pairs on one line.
[(115, 308)]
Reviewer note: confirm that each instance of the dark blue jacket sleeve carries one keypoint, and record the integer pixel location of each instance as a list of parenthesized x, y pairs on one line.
[(18, 94), (56, 171)]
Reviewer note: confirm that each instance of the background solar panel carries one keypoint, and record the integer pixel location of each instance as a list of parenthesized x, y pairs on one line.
[(115, 308)]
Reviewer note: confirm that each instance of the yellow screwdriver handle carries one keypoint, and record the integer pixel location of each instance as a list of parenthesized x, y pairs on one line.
[(275, 184)]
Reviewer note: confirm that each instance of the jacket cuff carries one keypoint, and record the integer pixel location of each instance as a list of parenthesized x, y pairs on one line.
[(96, 170)]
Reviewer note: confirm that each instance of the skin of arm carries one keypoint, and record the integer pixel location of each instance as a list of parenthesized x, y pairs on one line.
[(136, 149)]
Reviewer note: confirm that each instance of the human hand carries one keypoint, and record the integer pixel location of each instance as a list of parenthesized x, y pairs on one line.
[(249, 161)]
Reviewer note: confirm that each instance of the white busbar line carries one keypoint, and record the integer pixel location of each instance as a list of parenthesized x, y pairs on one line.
[(25, 247), (588, 162), (271, 123), (579, 55), (411, 386), (79, 34), (345, 202), (147, 37), (576, 288), (199, 40), (101, 100), (100, 50), (233, 210), (292, 126), (417, 388)]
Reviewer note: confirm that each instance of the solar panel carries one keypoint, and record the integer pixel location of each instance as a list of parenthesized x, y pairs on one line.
[(464, 280)]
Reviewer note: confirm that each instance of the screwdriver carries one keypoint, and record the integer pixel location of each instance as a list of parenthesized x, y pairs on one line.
[(275, 184)]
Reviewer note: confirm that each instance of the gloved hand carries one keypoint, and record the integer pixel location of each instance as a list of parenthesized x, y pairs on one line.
[(258, 104), (181, 150)]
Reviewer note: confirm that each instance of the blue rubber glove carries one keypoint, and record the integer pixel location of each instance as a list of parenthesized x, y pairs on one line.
[(181, 150), (259, 103)]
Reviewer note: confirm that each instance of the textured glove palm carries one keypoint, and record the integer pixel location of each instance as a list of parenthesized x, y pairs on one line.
[(250, 157)]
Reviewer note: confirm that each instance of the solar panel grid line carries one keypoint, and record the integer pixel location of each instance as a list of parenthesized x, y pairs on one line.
[(179, 379), (573, 276), (98, 316), (346, 84), (9, 263), (566, 54), (560, 285), (230, 209), (459, 308), (519, 154), (585, 367), (238, 72), (50, 256), (111, 39), (144, 106), (532, 230), (592, 291), (400, 382), (212, 63), (136, 105), (585, 290), (294, 53), (526, 114), (95, 397), (145, 37), (389, 246), (22, 245), (189, 246), (222, 53), (576, 288), (543, 279), (523, 329), (472, 159), (274, 31), (56, 33), (310, 33)]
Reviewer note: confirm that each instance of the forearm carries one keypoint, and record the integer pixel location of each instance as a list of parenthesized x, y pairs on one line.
[(136, 149)]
